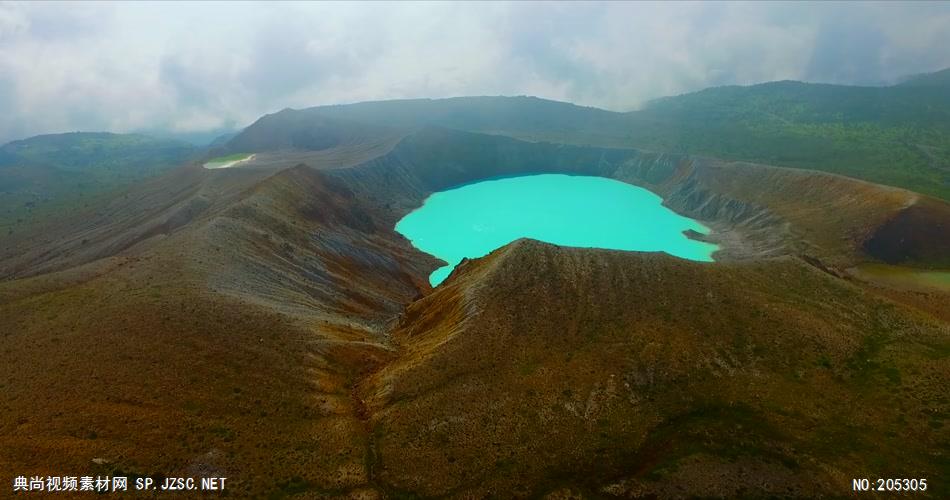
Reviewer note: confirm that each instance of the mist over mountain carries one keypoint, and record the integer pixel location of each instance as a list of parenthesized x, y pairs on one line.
[(475, 250), (198, 138), (88, 69), (897, 135), (936, 79)]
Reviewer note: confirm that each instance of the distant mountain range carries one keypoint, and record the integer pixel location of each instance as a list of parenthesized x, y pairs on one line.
[(267, 322), (937, 78), (50, 171), (90, 151), (897, 135)]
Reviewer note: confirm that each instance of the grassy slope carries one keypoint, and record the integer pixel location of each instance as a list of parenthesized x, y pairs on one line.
[(49, 174), (937, 78), (504, 115), (740, 371), (231, 338), (228, 158), (102, 154), (902, 276), (895, 135), (301, 130), (221, 350), (155, 375)]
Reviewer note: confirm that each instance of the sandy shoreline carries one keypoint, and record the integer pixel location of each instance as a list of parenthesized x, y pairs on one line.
[(229, 164)]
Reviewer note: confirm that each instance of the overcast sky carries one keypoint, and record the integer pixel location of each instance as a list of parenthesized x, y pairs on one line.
[(192, 67)]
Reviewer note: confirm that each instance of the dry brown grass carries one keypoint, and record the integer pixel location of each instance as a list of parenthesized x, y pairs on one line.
[(637, 371), (269, 326)]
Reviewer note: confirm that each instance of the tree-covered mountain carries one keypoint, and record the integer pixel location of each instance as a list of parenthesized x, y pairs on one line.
[(937, 78), (897, 135)]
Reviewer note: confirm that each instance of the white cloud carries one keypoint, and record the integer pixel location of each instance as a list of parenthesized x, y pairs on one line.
[(193, 66)]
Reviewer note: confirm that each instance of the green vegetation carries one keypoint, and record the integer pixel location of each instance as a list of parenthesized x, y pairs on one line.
[(101, 155), (897, 135), (229, 158), (48, 174), (941, 77), (503, 115), (748, 432), (904, 276), (894, 135)]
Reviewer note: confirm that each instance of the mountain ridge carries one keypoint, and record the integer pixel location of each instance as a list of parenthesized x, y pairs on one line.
[(267, 307), (583, 374), (44, 176), (889, 135), (266, 323), (936, 78)]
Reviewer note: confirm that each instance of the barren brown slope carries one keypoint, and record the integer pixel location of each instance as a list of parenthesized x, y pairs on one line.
[(227, 347), (145, 213), (755, 210), (304, 130), (919, 233), (241, 330), (789, 211), (151, 210), (541, 369)]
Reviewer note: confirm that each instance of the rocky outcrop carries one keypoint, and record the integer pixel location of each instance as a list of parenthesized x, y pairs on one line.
[(755, 211), (268, 322), (526, 363), (918, 235)]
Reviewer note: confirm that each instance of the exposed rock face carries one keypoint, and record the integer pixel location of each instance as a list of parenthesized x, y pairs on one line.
[(273, 324), (756, 210), (918, 234)]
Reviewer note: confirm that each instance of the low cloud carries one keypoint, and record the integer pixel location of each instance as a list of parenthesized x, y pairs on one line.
[(200, 66)]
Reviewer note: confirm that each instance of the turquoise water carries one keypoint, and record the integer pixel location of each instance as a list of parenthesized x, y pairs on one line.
[(578, 211)]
